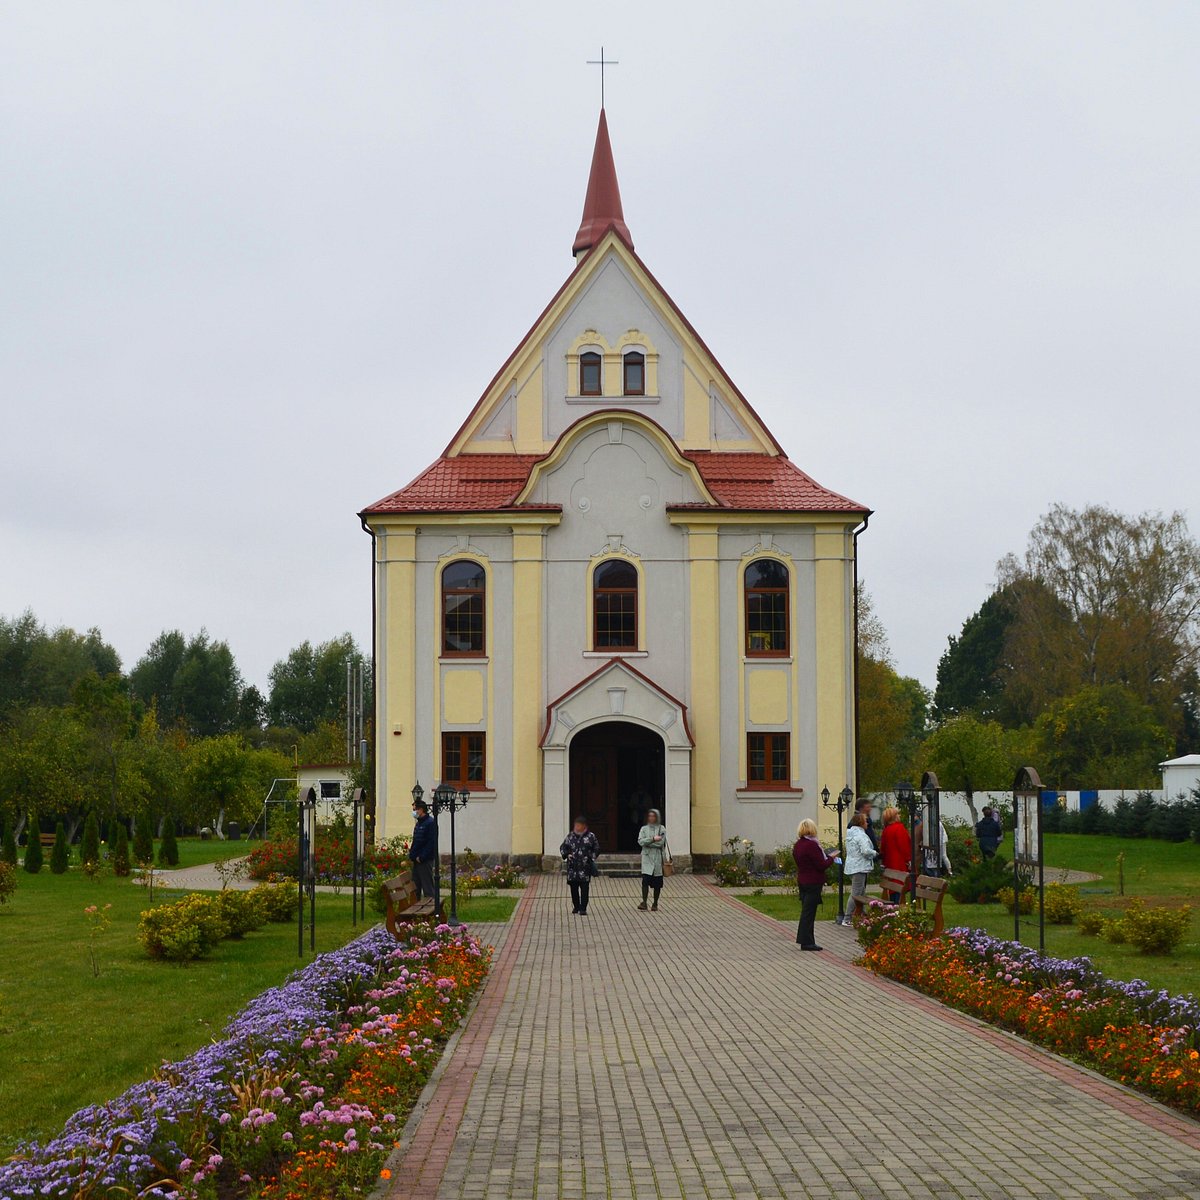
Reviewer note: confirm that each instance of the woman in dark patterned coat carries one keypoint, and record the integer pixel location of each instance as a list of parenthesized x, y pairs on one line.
[(579, 851)]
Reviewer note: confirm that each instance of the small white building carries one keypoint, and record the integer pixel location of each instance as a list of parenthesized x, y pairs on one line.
[(1180, 775), (331, 781)]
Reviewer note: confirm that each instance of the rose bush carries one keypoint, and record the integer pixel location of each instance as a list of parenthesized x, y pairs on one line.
[(334, 856)]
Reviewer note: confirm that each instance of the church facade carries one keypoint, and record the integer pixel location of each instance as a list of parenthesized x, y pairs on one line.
[(613, 590)]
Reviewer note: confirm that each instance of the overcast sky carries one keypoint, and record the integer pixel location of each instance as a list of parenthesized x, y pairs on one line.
[(258, 261)]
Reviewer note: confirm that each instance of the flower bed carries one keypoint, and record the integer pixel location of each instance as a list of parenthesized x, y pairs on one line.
[(1131, 1032), (334, 857), (301, 1096)]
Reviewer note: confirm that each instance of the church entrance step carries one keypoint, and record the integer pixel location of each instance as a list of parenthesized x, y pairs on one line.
[(620, 866)]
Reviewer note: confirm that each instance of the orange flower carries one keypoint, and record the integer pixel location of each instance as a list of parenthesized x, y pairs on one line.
[(385, 1174)]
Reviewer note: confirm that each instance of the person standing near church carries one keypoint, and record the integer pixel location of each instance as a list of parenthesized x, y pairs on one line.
[(652, 838), (579, 851), (864, 805), (422, 851), (860, 862), (990, 833), (812, 862)]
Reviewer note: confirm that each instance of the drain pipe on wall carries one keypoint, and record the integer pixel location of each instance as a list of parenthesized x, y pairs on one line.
[(860, 529), (373, 805)]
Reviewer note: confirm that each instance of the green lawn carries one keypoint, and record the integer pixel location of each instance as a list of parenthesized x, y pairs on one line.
[(1159, 872), (68, 1039), (193, 852)]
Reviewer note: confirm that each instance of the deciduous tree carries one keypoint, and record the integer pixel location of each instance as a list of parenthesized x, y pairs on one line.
[(309, 686), (1109, 599), (1103, 736)]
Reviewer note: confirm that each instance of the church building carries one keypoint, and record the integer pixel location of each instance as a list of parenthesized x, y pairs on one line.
[(614, 590)]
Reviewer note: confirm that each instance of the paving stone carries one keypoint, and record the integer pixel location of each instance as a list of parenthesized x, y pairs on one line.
[(696, 1052)]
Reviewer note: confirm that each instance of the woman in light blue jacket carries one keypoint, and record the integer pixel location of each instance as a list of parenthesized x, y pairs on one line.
[(860, 858), (653, 840)]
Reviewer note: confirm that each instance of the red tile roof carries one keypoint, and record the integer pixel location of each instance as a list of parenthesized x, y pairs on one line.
[(491, 482)]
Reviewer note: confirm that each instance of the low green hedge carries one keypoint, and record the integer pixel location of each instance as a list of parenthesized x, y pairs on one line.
[(191, 927)]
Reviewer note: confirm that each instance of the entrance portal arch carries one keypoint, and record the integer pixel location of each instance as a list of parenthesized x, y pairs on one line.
[(626, 709), (617, 772)]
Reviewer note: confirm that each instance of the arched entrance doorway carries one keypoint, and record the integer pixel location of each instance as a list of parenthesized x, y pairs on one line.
[(617, 773)]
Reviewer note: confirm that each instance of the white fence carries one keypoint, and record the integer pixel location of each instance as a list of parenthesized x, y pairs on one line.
[(953, 805)]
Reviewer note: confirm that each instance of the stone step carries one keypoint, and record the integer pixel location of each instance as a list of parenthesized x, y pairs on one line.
[(620, 866)]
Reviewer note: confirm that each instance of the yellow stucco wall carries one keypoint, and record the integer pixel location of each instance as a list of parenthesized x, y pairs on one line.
[(834, 662), (705, 709)]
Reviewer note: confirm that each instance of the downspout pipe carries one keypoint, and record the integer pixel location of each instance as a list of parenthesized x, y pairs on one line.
[(858, 529), (375, 701)]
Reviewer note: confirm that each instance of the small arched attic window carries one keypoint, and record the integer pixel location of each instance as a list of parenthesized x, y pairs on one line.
[(633, 373), (590, 367)]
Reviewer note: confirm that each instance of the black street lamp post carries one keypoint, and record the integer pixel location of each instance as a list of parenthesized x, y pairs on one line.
[(446, 799), (844, 800)]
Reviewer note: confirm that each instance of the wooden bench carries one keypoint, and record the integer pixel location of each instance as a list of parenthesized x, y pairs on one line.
[(47, 839), (895, 880), (403, 903), (930, 887)]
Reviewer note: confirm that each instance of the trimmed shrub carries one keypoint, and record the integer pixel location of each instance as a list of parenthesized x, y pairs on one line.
[(1156, 930), (89, 843), (1063, 904), (60, 856), (143, 838), (277, 901), (1006, 896), (187, 929), (981, 882), (33, 846), (1113, 930), (118, 850), (242, 912), (1090, 923), (168, 848), (8, 845), (8, 880)]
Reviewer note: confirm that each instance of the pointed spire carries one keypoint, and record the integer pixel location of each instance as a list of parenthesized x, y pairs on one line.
[(602, 205)]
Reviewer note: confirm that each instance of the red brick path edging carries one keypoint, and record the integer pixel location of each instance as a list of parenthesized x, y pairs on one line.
[(419, 1173), (1140, 1108)]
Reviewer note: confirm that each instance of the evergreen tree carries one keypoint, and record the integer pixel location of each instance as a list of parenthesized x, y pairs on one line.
[(168, 851), (89, 844), (60, 856), (8, 845), (118, 853), (33, 846), (143, 838)]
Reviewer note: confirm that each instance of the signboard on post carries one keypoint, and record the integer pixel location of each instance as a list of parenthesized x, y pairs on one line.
[(1027, 847)]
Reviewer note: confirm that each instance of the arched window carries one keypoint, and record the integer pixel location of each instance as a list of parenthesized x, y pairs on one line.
[(589, 374), (634, 373), (767, 607), (463, 590), (615, 606)]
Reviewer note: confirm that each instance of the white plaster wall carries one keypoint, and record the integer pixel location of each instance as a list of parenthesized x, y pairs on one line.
[(612, 304)]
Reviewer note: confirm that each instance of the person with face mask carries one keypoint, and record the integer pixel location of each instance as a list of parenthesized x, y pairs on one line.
[(423, 849)]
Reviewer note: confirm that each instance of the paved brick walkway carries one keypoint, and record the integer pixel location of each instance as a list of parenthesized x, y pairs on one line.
[(696, 1052)]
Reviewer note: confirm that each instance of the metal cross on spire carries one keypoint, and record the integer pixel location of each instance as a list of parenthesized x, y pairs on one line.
[(602, 62)]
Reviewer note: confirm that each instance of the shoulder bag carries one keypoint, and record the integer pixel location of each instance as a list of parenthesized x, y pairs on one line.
[(668, 865)]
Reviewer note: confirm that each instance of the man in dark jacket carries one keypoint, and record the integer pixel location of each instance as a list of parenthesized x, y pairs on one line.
[(863, 805), (424, 848), (990, 833)]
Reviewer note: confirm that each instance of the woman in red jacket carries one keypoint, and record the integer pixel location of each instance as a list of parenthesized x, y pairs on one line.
[(895, 847), (811, 864)]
